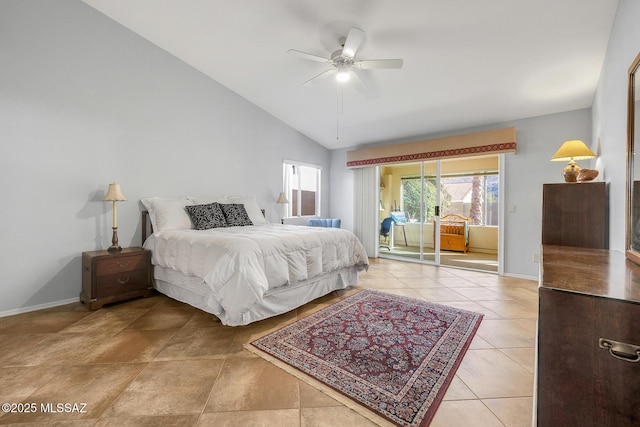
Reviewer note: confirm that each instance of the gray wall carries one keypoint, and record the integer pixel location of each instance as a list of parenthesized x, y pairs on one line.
[(610, 113), (525, 173), (85, 102)]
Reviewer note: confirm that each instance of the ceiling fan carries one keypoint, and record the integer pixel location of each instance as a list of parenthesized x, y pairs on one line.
[(343, 60)]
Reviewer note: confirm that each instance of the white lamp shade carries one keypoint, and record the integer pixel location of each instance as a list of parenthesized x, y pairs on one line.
[(114, 194), (573, 150), (282, 198)]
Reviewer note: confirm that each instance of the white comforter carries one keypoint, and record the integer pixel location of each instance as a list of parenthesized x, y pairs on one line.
[(241, 264)]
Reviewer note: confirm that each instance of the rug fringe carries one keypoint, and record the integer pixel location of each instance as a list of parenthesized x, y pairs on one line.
[(349, 403)]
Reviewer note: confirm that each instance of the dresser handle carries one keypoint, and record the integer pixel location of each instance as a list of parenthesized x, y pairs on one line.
[(124, 264), (123, 281), (621, 350)]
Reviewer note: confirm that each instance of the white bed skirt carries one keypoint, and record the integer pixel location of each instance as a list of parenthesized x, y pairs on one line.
[(195, 292)]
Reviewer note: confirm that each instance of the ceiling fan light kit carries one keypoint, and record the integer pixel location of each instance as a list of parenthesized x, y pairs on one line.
[(343, 76)]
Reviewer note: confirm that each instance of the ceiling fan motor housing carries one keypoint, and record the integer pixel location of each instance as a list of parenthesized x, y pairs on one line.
[(341, 61)]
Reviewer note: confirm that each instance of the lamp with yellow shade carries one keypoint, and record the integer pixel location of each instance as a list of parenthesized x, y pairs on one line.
[(570, 151), (114, 194)]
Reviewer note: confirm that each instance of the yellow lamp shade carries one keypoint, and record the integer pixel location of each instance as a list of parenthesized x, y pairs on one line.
[(573, 149)]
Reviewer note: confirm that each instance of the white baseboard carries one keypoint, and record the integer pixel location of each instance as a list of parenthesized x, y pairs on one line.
[(38, 307), (522, 276)]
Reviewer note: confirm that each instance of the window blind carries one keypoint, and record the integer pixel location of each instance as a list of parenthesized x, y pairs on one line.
[(366, 208)]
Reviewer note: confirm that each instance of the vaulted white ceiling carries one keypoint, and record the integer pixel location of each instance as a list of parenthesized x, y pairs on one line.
[(466, 62)]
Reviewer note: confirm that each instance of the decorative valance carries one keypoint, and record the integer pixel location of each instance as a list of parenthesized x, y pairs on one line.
[(472, 144)]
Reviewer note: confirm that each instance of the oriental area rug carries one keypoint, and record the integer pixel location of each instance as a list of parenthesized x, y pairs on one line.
[(388, 357)]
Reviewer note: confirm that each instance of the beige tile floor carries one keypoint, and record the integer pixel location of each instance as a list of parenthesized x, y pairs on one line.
[(155, 361)]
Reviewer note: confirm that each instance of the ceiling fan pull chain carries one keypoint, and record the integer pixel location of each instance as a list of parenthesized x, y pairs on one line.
[(337, 125), (339, 105)]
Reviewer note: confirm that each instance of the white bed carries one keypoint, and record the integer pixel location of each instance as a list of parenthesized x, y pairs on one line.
[(247, 273)]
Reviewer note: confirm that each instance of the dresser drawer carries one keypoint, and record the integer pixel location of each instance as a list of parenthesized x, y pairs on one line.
[(122, 283), (581, 383), (116, 265)]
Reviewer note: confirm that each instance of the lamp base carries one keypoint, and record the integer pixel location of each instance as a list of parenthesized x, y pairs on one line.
[(115, 247), (570, 172)]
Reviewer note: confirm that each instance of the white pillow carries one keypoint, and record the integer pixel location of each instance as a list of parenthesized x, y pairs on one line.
[(252, 208), (168, 214)]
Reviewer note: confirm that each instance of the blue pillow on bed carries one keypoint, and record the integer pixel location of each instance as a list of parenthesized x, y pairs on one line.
[(235, 214), (207, 216)]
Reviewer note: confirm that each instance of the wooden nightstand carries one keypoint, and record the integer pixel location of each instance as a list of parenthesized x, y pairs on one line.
[(115, 276)]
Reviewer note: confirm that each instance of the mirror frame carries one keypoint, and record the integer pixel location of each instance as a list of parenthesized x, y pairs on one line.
[(632, 254)]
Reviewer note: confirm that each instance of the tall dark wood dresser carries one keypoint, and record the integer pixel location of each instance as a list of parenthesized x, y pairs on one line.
[(575, 214)]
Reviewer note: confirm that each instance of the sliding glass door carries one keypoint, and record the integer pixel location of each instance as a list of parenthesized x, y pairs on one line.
[(442, 211), (408, 199)]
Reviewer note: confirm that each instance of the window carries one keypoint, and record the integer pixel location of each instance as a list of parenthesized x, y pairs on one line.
[(302, 188), (472, 195)]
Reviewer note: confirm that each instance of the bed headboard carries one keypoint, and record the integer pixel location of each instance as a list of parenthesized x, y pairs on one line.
[(147, 227)]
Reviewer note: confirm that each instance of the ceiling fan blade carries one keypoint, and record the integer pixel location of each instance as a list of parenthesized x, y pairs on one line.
[(352, 43), (378, 63), (356, 81), (308, 55), (315, 79)]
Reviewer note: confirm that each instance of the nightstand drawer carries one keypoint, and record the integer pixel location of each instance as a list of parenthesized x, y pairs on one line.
[(122, 283), (116, 265)]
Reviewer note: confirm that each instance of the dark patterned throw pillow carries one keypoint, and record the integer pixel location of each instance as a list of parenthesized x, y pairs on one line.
[(207, 216), (235, 214)]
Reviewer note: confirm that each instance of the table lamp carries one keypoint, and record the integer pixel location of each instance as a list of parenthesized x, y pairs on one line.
[(114, 194), (570, 151), (282, 199)]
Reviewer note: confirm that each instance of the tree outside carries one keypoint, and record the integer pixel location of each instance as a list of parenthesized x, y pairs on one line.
[(477, 198), (411, 198)]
